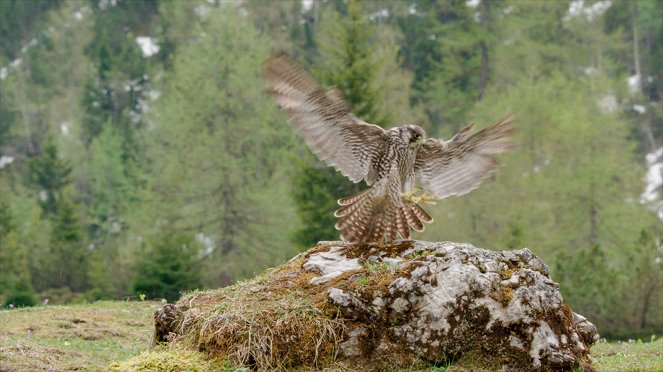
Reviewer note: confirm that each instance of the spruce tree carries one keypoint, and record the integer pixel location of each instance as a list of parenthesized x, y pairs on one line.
[(68, 266), (169, 266), (49, 175)]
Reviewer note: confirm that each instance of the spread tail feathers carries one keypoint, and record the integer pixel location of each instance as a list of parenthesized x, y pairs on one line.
[(369, 217)]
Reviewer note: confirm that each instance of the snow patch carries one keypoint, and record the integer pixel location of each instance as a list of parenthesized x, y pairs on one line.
[(207, 242), (16, 63), (307, 5), (654, 183), (472, 3), (153, 95), (577, 8), (380, 14), (5, 160), (103, 4), (634, 83), (608, 103), (29, 45), (148, 45), (640, 109)]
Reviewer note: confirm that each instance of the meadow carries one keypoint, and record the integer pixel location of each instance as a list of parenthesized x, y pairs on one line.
[(93, 336)]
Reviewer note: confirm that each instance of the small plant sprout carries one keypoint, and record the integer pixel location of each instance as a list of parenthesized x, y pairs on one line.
[(363, 281), (142, 296)]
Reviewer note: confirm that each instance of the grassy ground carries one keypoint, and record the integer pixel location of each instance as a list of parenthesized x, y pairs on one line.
[(91, 337), (632, 355), (77, 337)]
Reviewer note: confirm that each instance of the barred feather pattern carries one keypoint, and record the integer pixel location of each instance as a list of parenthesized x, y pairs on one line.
[(387, 160), (458, 166), (324, 120)]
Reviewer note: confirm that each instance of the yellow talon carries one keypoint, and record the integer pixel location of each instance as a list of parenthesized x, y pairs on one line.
[(423, 197), (410, 195)]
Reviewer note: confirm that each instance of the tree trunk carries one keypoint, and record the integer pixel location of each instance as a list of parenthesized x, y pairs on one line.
[(485, 20)]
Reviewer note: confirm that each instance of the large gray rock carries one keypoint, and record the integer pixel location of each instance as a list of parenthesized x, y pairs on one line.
[(380, 306), (446, 299)]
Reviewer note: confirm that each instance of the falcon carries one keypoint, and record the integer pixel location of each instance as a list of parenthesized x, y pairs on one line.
[(389, 161)]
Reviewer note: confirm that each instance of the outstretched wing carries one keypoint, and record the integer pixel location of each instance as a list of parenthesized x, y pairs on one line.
[(458, 166), (324, 120)]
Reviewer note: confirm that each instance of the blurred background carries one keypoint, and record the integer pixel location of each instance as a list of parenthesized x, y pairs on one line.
[(139, 154)]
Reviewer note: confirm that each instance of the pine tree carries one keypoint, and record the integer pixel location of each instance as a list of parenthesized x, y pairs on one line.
[(49, 174), (68, 263), (169, 266)]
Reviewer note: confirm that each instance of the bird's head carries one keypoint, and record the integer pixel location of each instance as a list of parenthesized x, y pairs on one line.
[(414, 135)]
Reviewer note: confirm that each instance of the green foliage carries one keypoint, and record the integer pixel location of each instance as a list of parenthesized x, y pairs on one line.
[(17, 22), (219, 155), (459, 74), (15, 284), (111, 189), (20, 295), (68, 256), (110, 149), (101, 286), (50, 174), (168, 267)]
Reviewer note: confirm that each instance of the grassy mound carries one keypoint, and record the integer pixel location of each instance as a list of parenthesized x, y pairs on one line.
[(262, 323), (279, 320)]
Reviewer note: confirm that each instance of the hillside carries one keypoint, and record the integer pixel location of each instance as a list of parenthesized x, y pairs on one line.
[(91, 336)]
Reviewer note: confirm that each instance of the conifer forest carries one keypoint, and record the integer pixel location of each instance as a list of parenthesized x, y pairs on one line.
[(141, 156)]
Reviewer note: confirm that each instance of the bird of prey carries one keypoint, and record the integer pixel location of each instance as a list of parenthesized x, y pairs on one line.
[(388, 160)]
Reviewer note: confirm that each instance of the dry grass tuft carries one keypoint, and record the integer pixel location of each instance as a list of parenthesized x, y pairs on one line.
[(260, 326)]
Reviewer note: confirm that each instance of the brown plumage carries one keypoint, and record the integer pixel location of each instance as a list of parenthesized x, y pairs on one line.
[(387, 160)]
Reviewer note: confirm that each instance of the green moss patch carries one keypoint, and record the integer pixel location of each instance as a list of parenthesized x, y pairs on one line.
[(171, 360)]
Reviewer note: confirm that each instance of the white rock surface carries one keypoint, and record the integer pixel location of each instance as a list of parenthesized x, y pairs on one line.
[(447, 298), (331, 264)]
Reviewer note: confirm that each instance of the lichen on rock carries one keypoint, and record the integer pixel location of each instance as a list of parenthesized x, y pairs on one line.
[(404, 304)]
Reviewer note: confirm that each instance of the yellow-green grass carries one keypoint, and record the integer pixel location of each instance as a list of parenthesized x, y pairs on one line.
[(632, 355), (76, 337), (117, 335)]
